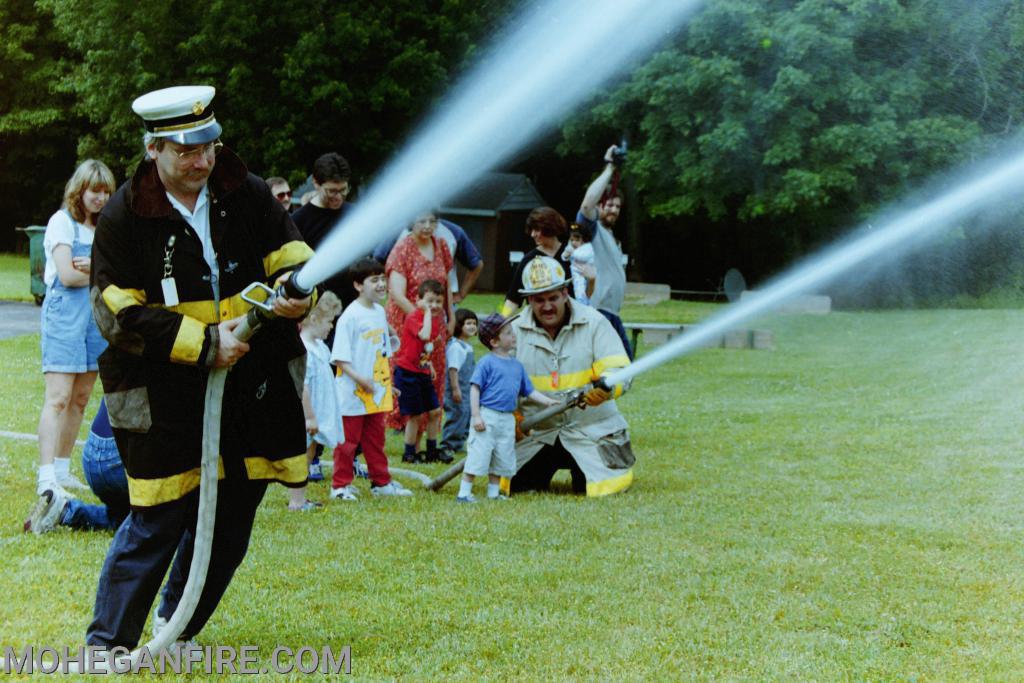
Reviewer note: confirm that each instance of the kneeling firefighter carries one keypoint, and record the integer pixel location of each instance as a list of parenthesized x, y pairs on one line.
[(565, 346)]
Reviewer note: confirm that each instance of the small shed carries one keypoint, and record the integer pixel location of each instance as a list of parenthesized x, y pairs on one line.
[(493, 212)]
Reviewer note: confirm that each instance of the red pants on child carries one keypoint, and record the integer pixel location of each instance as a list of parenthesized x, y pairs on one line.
[(366, 431)]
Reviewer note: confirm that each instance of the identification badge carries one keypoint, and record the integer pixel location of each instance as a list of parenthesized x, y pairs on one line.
[(170, 291)]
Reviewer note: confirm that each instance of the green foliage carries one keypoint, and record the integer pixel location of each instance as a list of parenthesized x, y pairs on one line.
[(801, 118), (762, 130), (37, 128), (14, 278), (292, 82)]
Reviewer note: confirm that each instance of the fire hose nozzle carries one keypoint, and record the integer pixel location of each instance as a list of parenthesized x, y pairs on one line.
[(293, 290)]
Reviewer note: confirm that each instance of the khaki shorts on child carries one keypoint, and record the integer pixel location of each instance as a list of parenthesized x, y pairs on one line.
[(492, 451)]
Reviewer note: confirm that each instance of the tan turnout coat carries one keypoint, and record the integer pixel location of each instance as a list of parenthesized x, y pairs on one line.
[(597, 437)]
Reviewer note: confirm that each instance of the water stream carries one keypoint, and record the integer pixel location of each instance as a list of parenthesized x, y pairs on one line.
[(554, 55), (975, 192)]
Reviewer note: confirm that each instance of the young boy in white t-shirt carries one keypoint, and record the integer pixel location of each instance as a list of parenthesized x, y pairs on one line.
[(362, 346)]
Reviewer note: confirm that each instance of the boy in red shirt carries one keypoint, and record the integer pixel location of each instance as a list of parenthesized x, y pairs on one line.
[(422, 331)]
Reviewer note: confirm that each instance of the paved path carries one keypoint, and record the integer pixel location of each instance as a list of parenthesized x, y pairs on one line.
[(17, 318)]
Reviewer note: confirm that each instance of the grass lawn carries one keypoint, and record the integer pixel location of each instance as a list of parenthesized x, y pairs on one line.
[(14, 278), (845, 507)]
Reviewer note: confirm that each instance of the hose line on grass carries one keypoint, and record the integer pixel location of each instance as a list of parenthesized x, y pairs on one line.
[(259, 314)]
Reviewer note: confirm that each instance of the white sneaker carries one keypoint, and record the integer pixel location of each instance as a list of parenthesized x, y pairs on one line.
[(46, 514), (51, 485), (392, 488), (345, 493), (70, 481), (159, 624)]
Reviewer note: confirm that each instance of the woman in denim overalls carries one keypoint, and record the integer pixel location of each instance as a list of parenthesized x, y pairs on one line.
[(71, 342)]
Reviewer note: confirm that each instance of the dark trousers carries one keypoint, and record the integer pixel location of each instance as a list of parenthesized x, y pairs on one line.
[(537, 473), (142, 549), (620, 329), (456, 421)]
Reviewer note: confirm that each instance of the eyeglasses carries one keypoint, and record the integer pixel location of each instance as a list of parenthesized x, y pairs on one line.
[(206, 150), (283, 195), (335, 192)]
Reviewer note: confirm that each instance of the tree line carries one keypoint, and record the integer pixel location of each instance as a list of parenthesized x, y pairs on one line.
[(760, 131)]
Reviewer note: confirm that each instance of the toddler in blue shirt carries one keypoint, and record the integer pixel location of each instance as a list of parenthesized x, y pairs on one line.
[(497, 383)]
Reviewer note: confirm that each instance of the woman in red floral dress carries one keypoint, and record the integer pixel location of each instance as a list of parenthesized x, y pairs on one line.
[(415, 258)]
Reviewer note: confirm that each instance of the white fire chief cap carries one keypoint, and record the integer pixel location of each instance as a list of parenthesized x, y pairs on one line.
[(180, 114)]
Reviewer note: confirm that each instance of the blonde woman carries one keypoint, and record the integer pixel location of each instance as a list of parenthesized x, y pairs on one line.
[(71, 342)]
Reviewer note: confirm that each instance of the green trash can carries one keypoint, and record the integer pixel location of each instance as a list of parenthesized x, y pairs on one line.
[(36, 261)]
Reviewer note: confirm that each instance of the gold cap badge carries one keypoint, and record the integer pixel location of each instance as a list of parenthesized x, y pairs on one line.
[(197, 108), (539, 275)]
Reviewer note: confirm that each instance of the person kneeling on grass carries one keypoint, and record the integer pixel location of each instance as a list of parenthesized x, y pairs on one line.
[(498, 382), (104, 473), (422, 331), (362, 346)]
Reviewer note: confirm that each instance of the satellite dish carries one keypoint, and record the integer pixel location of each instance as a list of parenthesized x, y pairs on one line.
[(734, 285)]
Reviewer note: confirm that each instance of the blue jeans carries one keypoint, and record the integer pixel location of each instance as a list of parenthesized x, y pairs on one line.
[(620, 330), (104, 473), (456, 421)]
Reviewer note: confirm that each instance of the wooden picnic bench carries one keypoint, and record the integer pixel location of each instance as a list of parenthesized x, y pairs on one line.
[(660, 333)]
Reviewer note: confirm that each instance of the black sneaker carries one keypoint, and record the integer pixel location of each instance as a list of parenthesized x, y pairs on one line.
[(409, 457), (446, 457)]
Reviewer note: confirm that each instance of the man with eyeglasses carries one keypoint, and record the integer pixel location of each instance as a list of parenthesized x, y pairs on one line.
[(281, 190), (174, 248), (315, 220)]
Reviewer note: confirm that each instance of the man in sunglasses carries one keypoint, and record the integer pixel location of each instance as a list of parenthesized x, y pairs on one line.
[(174, 248), (281, 190)]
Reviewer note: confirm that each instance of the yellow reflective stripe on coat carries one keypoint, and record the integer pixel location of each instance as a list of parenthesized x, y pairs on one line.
[(290, 254), (594, 489), (118, 299), (150, 492), (603, 365), (207, 312), (293, 470), (570, 380), (607, 487), (575, 380), (188, 344)]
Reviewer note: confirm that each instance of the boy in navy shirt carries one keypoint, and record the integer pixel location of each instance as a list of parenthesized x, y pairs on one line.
[(498, 382)]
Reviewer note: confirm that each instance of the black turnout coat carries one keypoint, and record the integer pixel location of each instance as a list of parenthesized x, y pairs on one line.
[(155, 370)]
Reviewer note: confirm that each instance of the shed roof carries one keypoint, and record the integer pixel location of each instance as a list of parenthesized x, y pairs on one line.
[(495, 192)]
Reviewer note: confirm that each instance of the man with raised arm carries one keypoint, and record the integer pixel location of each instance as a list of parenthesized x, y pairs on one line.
[(598, 214)]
